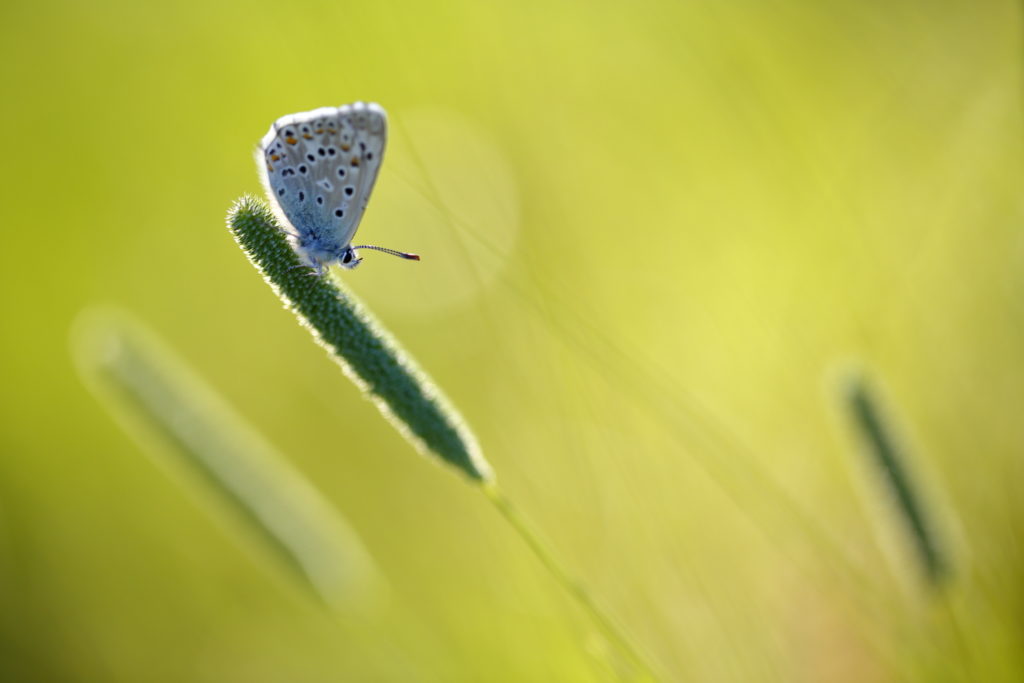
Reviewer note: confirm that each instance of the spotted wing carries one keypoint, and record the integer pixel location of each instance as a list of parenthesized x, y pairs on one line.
[(320, 166)]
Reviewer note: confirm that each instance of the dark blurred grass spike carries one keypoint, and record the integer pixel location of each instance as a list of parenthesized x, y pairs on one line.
[(164, 404), (366, 352), (891, 462)]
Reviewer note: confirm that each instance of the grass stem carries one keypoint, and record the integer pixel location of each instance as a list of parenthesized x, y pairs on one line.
[(415, 405), (639, 670)]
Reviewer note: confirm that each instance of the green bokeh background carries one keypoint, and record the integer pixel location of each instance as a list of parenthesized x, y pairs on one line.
[(655, 235)]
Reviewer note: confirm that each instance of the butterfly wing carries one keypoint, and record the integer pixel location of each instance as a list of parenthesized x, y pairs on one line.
[(319, 168)]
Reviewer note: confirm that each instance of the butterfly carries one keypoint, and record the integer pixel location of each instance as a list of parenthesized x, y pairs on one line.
[(319, 168)]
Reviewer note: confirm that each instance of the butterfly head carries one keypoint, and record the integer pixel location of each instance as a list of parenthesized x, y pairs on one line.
[(348, 259)]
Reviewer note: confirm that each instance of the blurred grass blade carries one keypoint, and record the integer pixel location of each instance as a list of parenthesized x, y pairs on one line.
[(165, 404), (888, 459), (369, 356)]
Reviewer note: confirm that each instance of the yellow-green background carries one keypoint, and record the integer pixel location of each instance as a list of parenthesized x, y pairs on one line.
[(678, 219)]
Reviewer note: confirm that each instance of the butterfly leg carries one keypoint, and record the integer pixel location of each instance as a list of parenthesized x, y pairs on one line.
[(285, 231)]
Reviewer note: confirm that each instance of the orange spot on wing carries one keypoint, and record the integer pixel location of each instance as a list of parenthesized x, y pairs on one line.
[(290, 141), (355, 161), (275, 157), (270, 168), (307, 136), (319, 131), (345, 148)]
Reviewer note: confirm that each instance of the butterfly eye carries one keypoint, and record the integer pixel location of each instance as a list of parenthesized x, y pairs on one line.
[(347, 258)]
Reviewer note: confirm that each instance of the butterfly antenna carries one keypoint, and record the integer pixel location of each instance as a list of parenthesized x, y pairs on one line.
[(393, 252)]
